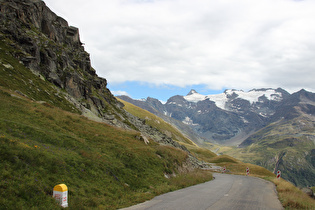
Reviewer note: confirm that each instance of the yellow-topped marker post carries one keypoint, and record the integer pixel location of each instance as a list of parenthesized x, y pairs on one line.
[(60, 193)]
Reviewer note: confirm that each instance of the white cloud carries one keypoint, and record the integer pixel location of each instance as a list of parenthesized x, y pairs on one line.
[(240, 44), (120, 93)]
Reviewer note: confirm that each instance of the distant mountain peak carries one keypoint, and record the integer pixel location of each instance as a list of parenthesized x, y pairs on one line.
[(303, 95), (302, 91), (191, 92)]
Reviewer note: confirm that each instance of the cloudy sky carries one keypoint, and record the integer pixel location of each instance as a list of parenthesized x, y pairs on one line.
[(161, 48)]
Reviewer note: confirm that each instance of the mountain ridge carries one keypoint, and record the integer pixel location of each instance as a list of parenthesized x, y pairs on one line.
[(274, 130), (242, 108)]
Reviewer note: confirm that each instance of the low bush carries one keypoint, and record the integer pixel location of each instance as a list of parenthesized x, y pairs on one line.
[(291, 197)]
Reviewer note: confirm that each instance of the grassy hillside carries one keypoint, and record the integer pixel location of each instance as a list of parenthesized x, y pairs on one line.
[(42, 146), (156, 122), (44, 141)]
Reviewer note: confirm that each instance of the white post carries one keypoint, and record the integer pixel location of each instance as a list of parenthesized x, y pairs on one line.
[(60, 193)]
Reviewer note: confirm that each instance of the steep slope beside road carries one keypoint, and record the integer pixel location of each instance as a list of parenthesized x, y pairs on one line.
[(225, 192)]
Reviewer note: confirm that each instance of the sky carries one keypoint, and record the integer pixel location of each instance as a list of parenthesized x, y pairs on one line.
[(162, 48)]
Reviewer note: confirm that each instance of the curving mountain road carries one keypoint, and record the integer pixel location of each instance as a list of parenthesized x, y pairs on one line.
[(224, 192)]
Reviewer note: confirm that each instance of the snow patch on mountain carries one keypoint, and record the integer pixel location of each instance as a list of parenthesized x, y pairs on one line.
[(253, 95), (221, 99), (188, 121), (194, 97)]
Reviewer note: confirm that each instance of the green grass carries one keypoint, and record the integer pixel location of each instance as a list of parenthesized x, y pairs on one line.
[(223, 159), (201, 153), (103, 166), (156, 122), (291, 197)]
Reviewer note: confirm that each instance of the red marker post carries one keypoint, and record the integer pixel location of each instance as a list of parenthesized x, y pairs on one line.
[(247, 171), (224, 169), (278, 174)]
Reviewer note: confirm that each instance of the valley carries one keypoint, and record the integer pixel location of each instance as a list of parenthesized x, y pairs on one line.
[(267, 127)]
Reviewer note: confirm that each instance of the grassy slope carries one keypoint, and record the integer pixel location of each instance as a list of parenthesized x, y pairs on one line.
[(154, 121), (157, 122), (42, 146), (48, 143)]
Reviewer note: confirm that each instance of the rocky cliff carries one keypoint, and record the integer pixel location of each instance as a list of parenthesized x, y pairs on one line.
[(52, 49), (46, 45)]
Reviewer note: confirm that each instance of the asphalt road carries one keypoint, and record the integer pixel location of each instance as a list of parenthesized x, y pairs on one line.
[(225, 192)]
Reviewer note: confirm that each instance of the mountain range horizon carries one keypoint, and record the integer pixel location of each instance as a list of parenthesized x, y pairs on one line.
[(255, 106), (268, 127), (195, 90)]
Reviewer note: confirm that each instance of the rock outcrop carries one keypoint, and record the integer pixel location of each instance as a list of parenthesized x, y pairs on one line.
[(45, 43), (51, 48)]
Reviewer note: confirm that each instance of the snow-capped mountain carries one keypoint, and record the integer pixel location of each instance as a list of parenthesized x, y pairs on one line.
[(221, 100), (229, 116)]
